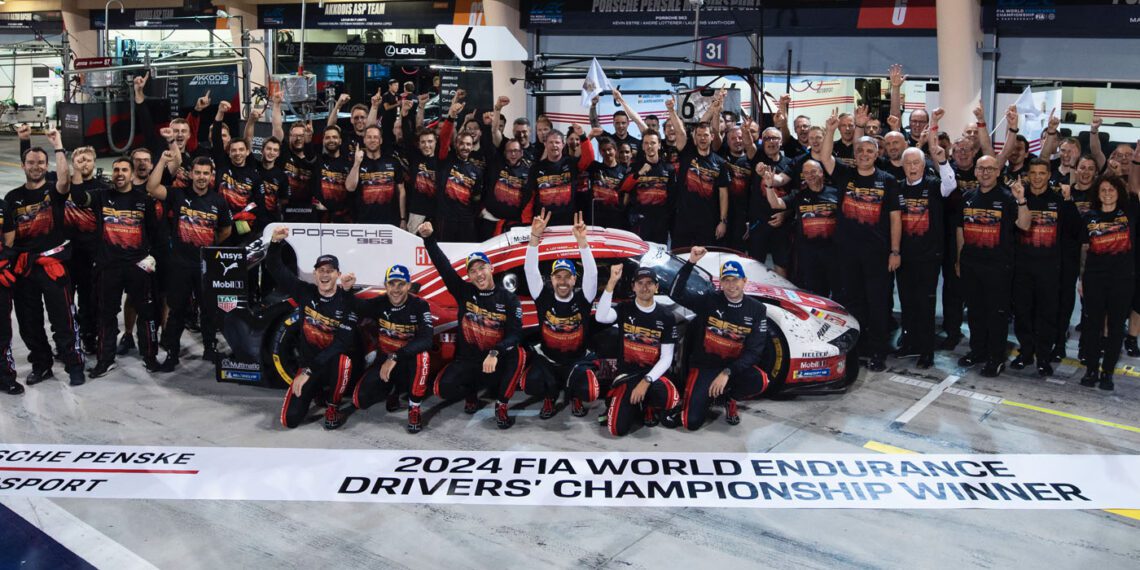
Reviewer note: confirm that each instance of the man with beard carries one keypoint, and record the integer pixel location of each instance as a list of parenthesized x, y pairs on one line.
[(702, 201), (298, 164), (1062, 167), (562, 361), (506, 202), (36, 248), (377, 181), (487, 353), (183, 133), (238, 181), (329, 175), (328, 326), (621, 123), (739, 153), (80, 229), (550, 181), (201, 219), (767, 230), (459, 182), (650, 186), (358, 118), (1015, 155), (869, 233), (125, 217), (421, 182)]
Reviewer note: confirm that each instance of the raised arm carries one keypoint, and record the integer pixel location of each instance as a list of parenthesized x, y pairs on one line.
[(334, 113), (1050, 139), (587, 151), (982, 132), (594, 122), (767, 184), (63, 179), (277, 119), (679, 292), (605, 313), (1024, 216), (353, 179), (534, 281), (448, 128), (633, 116), (678, 125), (783, 113), (1094, 143), (217, 147), (374, 107), (589, 268), (496, 134), (284, 278), (451, 278), (896, 78), (1011, 119), (255, 115), (825, 156)]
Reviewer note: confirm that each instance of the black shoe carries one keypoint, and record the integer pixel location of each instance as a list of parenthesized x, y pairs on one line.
[(671, 420), (38, 376), (905, 351), (651, 418), (90, 345), (210, 353), (414, 425), (471, 405), (547, 409), (11, 387), (1090, 378), (393, 402), (1131, 346), (731, 414), (992, 369), (950, 342), (969, 360), (126, 344), (101, 368), (577, 408), (1058, 353), (170, 363), (1021, 362), (1106, 382), (76, 377), (924, 361), (877, 364), (503, 417), (333, 417), (1044, 369), (152, 365)]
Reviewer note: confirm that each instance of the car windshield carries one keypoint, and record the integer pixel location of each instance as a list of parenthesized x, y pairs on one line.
[(666, 266)]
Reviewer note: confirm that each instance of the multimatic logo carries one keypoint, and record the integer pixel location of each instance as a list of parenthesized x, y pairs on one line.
[(363, 236), (393, 50)]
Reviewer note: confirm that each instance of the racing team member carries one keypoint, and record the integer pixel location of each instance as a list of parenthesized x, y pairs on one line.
[(422, 165), (739, 152), (487, 352), (552, 177), (868, 235), (126, 216), (650, 185), (562, 361), (377, 181), (201, 218), (459, 182), (815, 212), (403, 323), (608, 203), (649, 335), (768, 230), (79, 228), (274, 181), (238, 180), (36, 249), (702, 201), (506, 202), (1078, 203), (330, 172), (732, 329), (298, 162), (986, 237), (328, 327)]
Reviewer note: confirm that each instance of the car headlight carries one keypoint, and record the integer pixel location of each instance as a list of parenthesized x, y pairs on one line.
[(846, 341)]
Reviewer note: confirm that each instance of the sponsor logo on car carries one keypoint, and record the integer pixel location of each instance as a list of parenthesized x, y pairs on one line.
[(815, 373), (241, 376), (231, 284), (227, 303), (227, 363)]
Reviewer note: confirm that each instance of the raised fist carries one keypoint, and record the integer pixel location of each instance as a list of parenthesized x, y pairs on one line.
[(224, 107), (502, 102)]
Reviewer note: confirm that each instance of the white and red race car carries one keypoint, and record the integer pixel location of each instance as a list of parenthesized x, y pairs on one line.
[(809, 350)]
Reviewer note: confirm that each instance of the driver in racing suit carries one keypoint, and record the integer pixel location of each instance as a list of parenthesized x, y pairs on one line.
[(404, 335), (327, 331), (561, 361), (731, 330)]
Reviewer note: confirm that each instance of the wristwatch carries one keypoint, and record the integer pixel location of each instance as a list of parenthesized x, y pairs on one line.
[(648, 379), (1023, 202), (493, 352), (307, 371), (392, 357), (727, 372), (895, 252)]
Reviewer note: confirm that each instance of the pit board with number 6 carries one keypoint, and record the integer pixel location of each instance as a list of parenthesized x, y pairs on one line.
[(482, 43)]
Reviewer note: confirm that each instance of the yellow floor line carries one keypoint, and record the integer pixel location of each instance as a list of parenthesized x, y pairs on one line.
[(1071, 416), (1130, 513), (6, 163)]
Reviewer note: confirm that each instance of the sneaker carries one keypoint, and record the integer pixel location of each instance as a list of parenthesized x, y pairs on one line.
[(76, 376), (471, 405), (170, 362), (577, 408), (651, 417), (11, 387), (1106, 382), (101, 368), (126, 344), (333, 417), (1131, 346), (547, 409), (924, 361), (1021, 362), (38, 376), (1058, 353), (1044, 369), (877, 364), (414, 419), (969, 360), (393, 402), (905, 351), (1090, 378), (950, 342), (731, 414), (503, 418), (151, 364), (993, 369)]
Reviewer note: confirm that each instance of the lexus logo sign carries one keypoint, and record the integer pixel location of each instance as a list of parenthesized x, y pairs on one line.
[(392, 50)]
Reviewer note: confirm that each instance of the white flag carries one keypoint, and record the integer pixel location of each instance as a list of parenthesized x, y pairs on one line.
[(596, 83), (1033, 119)]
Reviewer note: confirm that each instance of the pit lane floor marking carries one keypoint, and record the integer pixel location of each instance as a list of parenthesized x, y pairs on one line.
[(77, 536), (997, 400), (893, 450), (926, 400)]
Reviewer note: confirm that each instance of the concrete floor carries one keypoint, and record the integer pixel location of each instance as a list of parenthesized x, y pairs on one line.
[(132, 406)]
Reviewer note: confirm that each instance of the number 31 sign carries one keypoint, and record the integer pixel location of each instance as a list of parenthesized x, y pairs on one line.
[(482, 43), (714, 51)]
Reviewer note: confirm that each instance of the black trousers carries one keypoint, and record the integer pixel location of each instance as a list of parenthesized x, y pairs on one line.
[(410, 375), (456, 230), (81, 268), (183, 283), (987, 290), (7, 361), (1106, 297), (918, 289), (737, 225), (651, 226), (817, 270), (1070, 272), (766, 240), (622, 413), (547, 379), (330, 381), (1036, 295), (693, 229), (609, 218), (35, 292), (866, 293), (463, 378), (952, 303), (747, 385), (114, 280)]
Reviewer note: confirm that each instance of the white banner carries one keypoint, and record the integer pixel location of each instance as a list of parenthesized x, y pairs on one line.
[(518, 478)]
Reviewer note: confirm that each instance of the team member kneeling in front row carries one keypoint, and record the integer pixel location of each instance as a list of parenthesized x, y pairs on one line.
[(403, 323), (328, 324), (649, 335), (731, 332), (562, 361), (487, 352)]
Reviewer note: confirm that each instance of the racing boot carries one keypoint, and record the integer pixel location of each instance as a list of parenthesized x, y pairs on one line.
[(11, 387), (126, 344), (38, 376), (333, 417), (731, 414), (503, 418), (414, 425), (1131, 347), (577, 408), (547, 409), (651, 417)]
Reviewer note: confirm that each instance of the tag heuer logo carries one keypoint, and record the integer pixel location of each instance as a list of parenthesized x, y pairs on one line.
[(227, 303)]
